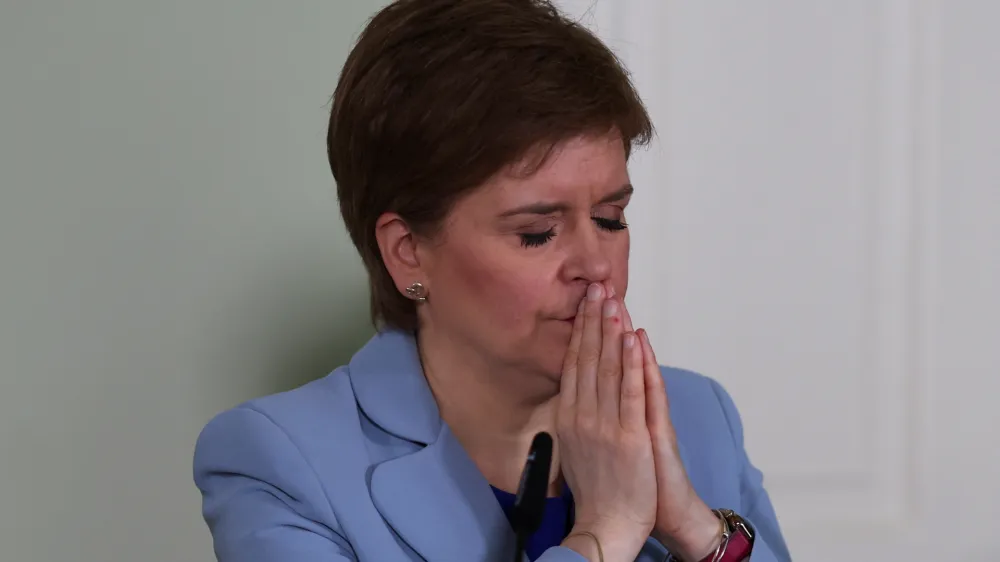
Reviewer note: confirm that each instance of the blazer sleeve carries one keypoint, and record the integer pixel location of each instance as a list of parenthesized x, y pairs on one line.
[(754, 500), (255, 487)]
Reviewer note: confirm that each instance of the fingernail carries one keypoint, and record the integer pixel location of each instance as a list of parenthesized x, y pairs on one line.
[(630, 340), (594, 292), (610, 308), (611, 290)]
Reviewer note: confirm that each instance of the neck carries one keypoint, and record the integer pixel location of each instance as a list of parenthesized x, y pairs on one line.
[(495, 412)]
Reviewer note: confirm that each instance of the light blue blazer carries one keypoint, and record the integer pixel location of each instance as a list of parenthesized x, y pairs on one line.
[(358, 466)]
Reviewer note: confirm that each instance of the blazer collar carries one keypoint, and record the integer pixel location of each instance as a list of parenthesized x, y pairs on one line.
[(389, 383), (434, 498), (441, 505)]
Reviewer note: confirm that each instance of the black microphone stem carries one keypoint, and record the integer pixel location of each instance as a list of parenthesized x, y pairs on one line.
[(519, 551), (529, 505)]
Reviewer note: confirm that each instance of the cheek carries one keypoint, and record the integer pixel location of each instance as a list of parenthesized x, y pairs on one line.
[(619, 265), (623, 266), (500, 286)]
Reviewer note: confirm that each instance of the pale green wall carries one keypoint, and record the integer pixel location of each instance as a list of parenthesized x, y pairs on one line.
[(170, 245)]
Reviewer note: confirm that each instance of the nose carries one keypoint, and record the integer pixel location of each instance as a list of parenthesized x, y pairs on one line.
[(588, 260)]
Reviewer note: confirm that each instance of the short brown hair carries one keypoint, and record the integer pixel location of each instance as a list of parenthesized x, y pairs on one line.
[(438, 96)]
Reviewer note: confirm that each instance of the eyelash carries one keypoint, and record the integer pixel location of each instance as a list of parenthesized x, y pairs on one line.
[(534, 240)]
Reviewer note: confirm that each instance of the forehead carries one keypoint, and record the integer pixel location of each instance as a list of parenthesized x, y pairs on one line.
[(585, 167)]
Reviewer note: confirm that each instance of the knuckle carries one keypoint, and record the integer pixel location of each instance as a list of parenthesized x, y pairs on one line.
[(595, 438), (626, 442), (586, 424), (633, 442), (608, 371), (569, 364), (589, 358), (610, 440), (564, 428), (609, 434), (633, 390)]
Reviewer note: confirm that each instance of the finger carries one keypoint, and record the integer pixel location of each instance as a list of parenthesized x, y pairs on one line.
[(626, 317), (590, 352), (567, 384), (633, 395), (609, 370), (651, 367), (657, 405)]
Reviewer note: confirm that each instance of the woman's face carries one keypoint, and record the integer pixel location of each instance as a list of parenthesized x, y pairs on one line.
[(516, 256)]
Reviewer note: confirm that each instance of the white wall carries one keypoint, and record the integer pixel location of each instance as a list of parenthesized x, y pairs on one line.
[(819, 228), (170, 244)]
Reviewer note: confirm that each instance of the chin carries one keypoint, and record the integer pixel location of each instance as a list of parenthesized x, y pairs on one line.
[(542, 352), (551, 358), (552, 371)]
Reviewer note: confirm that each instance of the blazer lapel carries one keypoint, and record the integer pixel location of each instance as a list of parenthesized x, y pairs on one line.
[(438, 501), (435, 498)]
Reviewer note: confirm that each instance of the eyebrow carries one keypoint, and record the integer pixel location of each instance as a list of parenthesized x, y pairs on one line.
[(551, 208)]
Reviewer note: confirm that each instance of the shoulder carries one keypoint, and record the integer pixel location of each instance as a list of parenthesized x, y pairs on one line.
[(285, 425), (711, 442), (688, 382), (324, 398), (701, 405), (264, 469), (693, 386)]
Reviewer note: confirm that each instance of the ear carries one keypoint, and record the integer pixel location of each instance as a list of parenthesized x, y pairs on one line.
[(398, 245)]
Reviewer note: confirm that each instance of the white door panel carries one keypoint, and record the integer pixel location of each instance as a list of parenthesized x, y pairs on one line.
[(818, 227)]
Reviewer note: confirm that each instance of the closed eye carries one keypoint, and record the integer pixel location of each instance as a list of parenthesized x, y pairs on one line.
[(612, 225), (536, 239)]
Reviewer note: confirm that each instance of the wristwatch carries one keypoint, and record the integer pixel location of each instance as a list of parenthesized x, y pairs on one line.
[(737, 539)]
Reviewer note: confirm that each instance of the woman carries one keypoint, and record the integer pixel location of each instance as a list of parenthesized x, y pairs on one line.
[(479, 149)]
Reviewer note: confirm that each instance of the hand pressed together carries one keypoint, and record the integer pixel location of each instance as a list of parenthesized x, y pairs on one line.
[(617, 444)]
